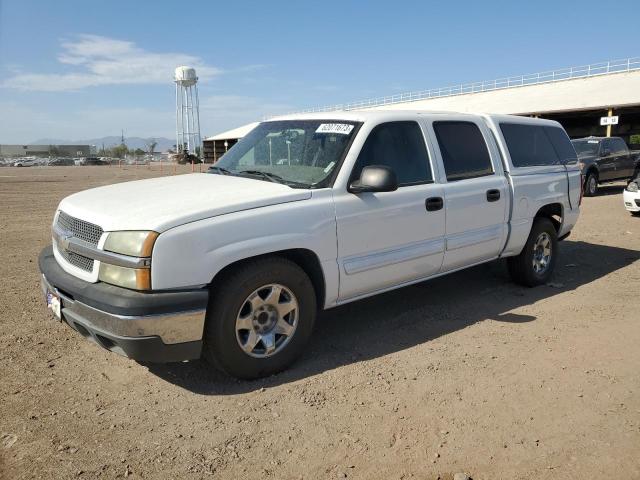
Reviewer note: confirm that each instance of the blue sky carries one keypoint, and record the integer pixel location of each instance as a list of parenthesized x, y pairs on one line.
[(81, 69)]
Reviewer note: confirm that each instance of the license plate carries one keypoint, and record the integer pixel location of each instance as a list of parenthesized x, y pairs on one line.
[(53, 302)]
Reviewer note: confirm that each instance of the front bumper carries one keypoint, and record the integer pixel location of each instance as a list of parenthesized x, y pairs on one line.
[(155, 327), (631, 201)]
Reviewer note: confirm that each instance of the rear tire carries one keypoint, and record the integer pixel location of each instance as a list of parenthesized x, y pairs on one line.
[(591, 185), (247, 334), (534, 266)]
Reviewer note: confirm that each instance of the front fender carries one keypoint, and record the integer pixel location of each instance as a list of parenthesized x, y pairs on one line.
[(193, 254)]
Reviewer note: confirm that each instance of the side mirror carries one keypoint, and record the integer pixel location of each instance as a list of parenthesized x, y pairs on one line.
[(375, 178)]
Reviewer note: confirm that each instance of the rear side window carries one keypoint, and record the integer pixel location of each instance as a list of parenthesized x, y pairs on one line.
[(464, 151), (399, 145), (528, 145), (561, 144), (618, 146)]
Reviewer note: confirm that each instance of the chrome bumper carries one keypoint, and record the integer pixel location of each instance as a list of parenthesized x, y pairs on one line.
[(171, 328)]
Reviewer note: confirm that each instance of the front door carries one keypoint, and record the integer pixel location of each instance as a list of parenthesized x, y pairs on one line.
[(389, 238), (606, 161)]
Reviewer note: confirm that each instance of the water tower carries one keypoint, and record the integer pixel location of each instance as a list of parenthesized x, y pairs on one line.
[(188, 138)]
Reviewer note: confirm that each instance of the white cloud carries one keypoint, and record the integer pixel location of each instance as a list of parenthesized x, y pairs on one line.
[(93, 60)]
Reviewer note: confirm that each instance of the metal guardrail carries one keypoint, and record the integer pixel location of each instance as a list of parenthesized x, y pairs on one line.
[(592, 70)]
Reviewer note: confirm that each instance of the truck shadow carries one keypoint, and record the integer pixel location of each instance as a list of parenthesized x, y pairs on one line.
[(611, 189), (413, 315)]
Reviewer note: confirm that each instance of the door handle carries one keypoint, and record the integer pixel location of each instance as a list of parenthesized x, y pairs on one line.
[(493, 195), (434, 203)]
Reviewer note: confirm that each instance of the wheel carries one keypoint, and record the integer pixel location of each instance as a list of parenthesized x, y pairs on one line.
[(534, 266), (591, 184), (260, 318)]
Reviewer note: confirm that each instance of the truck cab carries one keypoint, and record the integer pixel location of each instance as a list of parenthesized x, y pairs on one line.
[(305, 213), (604, 159)]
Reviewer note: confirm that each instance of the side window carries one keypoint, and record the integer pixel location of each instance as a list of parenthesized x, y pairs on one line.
[(619, 147), (464, 151), (399, 145), (561, 144), (529, 145)]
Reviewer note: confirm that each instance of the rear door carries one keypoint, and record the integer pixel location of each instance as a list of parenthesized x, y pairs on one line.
[(476, 190), (390, 238), (624, 164)]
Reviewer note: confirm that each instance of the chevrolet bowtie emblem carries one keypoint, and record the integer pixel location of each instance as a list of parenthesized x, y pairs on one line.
[(64, 238)]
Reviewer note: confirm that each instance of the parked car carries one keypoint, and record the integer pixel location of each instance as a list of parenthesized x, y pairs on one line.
[(306, 212), (94, 161), (26, 162), (61, 162), (604, 159), (631, 196)]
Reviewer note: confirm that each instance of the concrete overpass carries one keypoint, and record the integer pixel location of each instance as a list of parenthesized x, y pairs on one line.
[(577, 97)]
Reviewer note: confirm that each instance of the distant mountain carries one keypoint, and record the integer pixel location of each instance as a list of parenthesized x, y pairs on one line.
[(164, 144)]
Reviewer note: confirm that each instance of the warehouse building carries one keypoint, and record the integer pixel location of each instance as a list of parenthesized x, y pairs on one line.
[(601, 99), (214, 147), (46, 150)]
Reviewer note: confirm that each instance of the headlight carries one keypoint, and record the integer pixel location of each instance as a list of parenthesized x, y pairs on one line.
[(136, 244), (632, 187), (134, 278)]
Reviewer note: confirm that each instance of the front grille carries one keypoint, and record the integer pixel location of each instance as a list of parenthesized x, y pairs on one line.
[(81, 229), (76, 260)]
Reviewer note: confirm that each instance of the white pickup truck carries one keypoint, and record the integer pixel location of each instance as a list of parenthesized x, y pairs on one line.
[(306, 212)]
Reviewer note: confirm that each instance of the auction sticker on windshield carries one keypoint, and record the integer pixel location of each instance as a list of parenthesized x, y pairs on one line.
[(343, 128)]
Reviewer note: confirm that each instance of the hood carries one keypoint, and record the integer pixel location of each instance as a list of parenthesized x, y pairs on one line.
[(162, 203)]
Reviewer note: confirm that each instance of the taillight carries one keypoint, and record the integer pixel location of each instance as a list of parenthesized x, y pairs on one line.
[(581, 189)]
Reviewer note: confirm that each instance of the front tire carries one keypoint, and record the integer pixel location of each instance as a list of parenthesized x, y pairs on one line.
[(591, 185), (259, 319), (534, 266)]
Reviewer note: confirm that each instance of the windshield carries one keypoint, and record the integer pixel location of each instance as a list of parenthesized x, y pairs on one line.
[(586, 147), (299, 153)]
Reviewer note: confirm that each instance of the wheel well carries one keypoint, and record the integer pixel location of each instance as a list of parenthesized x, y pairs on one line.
[(593, 170), (305, 259), (553, 212)]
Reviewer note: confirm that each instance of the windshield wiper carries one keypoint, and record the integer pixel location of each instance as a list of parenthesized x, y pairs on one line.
[(272, 177), (223, 171)]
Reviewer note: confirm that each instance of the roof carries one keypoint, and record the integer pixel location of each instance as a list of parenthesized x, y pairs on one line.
[(368, 115), (234, 133), (592, 138)]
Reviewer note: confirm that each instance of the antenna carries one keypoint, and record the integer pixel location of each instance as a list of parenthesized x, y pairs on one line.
[(188, 139)]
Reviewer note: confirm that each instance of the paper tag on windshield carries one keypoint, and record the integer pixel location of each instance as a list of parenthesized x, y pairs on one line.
[(342, 128), (593, 141)]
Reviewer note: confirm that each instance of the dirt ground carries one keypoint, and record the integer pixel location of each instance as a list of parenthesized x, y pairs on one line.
[(466, 373)]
